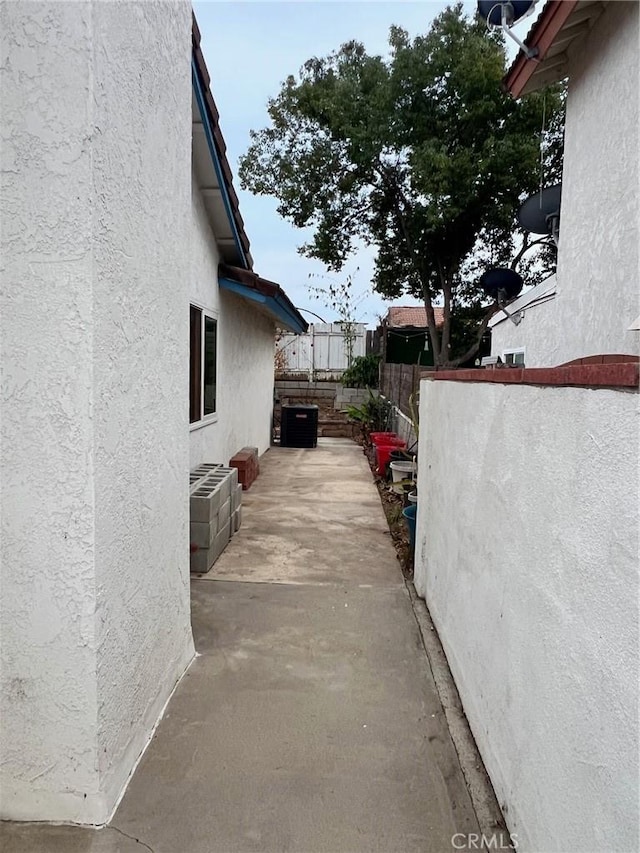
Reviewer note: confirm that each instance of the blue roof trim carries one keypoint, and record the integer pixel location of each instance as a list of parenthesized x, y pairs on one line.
[(197, 87), (275, 305)]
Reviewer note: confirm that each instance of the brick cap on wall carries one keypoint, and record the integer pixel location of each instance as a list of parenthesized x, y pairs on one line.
[(601, 371)]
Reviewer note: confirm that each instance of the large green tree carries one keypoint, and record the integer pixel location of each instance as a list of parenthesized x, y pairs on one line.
[(422, 155)]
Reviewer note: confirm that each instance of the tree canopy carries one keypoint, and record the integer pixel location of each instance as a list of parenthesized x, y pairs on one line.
[(422, 155)]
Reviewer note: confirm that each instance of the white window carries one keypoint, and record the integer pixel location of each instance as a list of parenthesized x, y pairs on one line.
[(513, 357), (203, 357)]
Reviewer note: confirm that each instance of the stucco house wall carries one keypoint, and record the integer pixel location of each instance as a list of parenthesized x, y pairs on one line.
[(95, 575), (598, 296), (536, 333), (246, 344), (142, 176), (527, 555), (48, 696)]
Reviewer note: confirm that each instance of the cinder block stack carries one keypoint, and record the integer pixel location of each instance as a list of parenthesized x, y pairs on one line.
[(215, 512), (247, 464)]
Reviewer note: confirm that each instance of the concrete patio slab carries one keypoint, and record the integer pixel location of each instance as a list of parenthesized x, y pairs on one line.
[(296, 730), (313, 516), (309, 722)]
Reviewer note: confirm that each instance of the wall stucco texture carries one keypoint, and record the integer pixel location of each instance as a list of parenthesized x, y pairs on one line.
[(598, 294), (537, 333), (94, 611), (142, 176), (598, 289), (527, 555)]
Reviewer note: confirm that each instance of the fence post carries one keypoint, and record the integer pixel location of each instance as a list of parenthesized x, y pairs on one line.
[(312, 350)]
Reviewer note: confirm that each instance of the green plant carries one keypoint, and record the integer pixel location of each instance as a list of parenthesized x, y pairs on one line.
[(394, 514), (374, 414), (363, 372)]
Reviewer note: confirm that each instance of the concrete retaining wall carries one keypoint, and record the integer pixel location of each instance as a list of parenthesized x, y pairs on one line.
[(301, 389)]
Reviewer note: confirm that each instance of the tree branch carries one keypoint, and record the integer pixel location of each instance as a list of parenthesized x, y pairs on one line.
[(400, 201), (525, 248), (445, 284), (473, 349)]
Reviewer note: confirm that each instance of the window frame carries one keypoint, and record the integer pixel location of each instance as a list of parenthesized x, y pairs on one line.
[(197, 375), (515, 351)]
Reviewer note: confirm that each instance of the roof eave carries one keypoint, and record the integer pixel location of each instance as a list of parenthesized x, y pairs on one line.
[(542, 35), (210, 117), (269, 294)]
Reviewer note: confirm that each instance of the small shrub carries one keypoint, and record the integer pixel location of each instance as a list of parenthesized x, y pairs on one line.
[(374, 414), (363, 372)]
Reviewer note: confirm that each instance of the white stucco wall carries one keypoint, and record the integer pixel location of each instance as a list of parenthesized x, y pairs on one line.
[(94, 604), (142, 180), (246, 343), (598, 284), (537, 333), (527, 554), (47, 597)]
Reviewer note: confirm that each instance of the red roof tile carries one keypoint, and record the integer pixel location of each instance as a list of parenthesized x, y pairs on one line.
[(415, 315)]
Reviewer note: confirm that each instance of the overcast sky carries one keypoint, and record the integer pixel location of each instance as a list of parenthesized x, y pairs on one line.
[(250, 48)]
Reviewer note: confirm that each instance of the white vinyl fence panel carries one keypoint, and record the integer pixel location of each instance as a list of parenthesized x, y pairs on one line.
[(322, 352)]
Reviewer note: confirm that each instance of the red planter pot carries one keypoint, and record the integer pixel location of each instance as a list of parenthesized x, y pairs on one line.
[(386, 438), (383, 455)]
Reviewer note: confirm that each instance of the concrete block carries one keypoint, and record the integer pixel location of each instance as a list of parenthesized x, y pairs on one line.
[(197, 475), (207, 468), (200, 561), (204, 502), (236, 519), (236, 497), (224, 479), (231, 477), (224, 513), (202, 533), (221, 541)]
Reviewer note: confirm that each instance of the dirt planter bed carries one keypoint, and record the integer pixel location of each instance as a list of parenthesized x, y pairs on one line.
[(393, 504)]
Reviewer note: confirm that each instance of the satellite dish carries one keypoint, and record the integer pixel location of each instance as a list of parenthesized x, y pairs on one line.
[(504, 15), (540, 214), (495, 13), (501, 284)]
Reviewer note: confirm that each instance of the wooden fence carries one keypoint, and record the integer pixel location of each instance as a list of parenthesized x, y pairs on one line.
[(320, 354), (399, 382)]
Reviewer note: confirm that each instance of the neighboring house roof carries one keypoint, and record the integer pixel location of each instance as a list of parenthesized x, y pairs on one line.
[(414, 316), (561, 25), (542, 292), (266, 295)]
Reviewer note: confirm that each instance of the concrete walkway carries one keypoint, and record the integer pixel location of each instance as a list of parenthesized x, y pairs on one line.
[(310, 720)]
